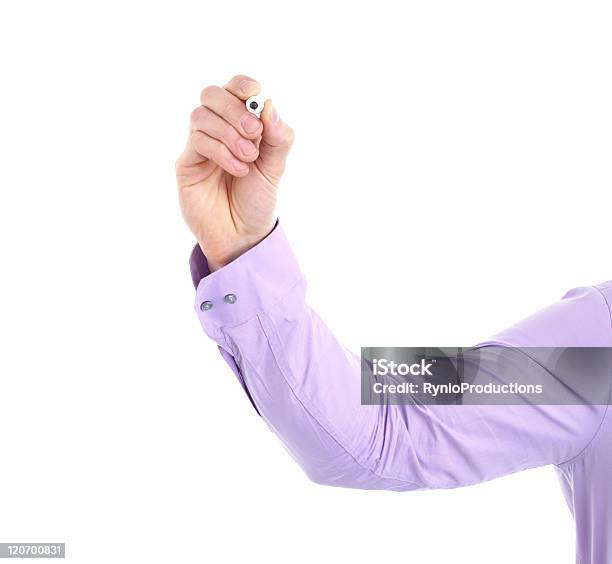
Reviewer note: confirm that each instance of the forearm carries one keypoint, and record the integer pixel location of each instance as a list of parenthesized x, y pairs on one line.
[(303, 382), (306, 386)]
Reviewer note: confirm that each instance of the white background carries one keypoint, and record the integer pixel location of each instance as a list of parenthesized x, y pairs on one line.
[(451, 175)]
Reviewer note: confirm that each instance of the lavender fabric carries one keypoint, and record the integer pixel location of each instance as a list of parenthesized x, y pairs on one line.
[(306, 386)]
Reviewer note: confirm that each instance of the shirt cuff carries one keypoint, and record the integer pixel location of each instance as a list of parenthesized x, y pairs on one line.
[(258, 280)]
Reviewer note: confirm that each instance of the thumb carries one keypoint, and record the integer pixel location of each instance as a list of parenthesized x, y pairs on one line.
[(276, 141)]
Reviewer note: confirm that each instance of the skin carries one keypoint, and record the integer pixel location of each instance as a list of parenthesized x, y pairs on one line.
[(229, 173)]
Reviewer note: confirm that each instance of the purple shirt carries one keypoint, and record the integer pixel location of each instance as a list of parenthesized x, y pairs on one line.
[(306, 386)]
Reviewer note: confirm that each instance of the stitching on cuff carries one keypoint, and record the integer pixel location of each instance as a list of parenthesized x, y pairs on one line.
[(275, 301)]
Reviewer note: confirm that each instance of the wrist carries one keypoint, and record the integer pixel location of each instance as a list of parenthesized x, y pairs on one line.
[(218, 259)]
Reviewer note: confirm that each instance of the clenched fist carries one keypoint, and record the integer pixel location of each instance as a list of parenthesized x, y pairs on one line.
[(229, 172)]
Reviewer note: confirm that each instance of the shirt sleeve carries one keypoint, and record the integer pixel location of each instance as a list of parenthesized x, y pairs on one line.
[(307, 386)]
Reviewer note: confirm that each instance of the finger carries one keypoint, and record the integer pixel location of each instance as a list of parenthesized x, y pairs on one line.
[(275, 144), (205, 120), (191, 167), (217, 152), (232, 110), (243, 87)]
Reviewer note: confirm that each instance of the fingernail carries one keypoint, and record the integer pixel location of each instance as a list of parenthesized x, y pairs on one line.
[(246, 147), (246, 85), (239, 165), (250, 123), (274, 117)]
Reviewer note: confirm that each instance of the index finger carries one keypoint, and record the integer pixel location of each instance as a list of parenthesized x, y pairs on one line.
[(243, 86)]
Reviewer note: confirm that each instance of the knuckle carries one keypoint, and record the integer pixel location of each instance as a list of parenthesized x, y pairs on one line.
[(218, 153), (240, 77), (290, 136), (229, 108), (208, 92), (197, 114), (194, 139), (228, 133)]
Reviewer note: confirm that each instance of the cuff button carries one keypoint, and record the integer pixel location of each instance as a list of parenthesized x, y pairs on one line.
[(230, 299), (205, 306)]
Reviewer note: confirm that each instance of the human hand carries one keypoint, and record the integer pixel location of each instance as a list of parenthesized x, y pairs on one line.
[(229, 172)]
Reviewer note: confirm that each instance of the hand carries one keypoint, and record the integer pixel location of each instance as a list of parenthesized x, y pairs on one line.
[(229, 172)]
